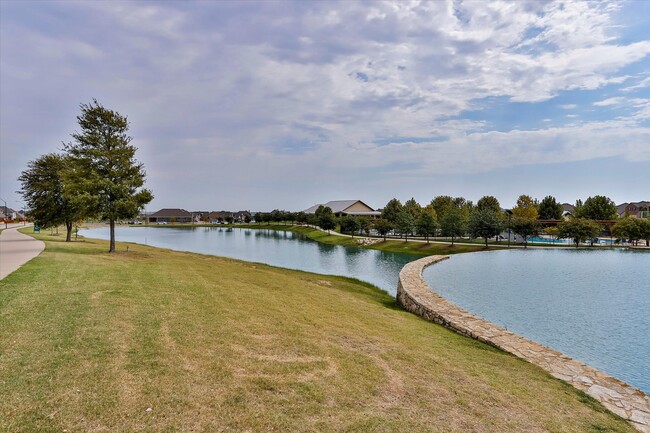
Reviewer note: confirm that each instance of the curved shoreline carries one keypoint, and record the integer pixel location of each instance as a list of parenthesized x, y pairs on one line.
[(415, 295)]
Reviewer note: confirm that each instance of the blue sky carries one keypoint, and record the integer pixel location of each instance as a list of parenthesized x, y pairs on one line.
[(258, 105)]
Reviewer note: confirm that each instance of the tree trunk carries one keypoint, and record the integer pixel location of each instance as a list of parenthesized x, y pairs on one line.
[(68, 234), (112, 244), (486, 245)]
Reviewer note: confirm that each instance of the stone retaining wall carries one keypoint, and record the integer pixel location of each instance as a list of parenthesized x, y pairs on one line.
[(416, 296)]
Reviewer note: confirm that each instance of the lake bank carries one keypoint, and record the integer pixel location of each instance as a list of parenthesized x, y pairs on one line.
[(155, 339)]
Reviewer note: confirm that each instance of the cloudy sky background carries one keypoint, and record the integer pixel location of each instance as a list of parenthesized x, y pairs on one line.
[(246, 105)]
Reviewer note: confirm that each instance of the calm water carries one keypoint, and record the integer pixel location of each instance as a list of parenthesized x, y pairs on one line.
[(277, 248), (592, 305)]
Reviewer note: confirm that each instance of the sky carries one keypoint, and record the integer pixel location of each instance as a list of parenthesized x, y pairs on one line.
[(264, 105)]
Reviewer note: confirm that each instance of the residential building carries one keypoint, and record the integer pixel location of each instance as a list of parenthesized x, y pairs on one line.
[(347, 207), (165, 216), (639, 209)]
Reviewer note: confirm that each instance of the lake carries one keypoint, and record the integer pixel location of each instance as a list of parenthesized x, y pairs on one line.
[(593, 305), (277, 248)]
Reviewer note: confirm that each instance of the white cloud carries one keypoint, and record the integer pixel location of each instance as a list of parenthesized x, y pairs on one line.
[(220, 86)]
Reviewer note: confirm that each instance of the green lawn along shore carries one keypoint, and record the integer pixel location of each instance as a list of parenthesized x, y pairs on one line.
[(156, 340), (390, 245)]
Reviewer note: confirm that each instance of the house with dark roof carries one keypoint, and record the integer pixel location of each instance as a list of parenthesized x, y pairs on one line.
[(639, 209), (347, 207), (165, 216)]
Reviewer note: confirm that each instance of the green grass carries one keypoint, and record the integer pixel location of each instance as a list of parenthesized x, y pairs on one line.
[(91, 340), (395, 246)]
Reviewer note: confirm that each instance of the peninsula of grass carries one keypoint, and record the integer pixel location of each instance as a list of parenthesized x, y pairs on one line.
[(156, 340)]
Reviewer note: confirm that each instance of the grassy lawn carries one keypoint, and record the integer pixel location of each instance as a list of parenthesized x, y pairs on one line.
[(156, 340)]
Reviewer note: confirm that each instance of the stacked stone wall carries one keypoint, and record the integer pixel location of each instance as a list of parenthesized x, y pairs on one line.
[(415, 295)]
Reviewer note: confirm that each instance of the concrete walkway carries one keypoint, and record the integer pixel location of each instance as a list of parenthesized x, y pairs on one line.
[(16, 249)]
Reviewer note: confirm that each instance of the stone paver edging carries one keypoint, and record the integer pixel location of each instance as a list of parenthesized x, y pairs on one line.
[(415, 295)]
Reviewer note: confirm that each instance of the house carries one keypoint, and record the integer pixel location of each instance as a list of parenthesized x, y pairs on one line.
[(242, 216), (10, 214), (567, 210), (218, 217), (347, 207), (639, 209), (200, 216), (164, 216)]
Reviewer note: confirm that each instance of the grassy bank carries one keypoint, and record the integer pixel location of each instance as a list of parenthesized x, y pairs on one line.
[(155, 340), (396, 246)]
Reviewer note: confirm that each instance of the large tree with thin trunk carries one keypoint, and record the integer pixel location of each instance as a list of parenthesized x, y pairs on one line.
[(105, 173), (579, 229), (45, 194), (485, 222), (525, 227), (453, 223), (426, 224)]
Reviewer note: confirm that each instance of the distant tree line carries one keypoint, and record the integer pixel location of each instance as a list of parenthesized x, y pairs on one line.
[(456, 217), (95, 176)]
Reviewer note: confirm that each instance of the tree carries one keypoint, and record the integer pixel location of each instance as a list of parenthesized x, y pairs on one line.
[(526, 208), (413, 208), (597, 208), (391, 210), (44, 191), (349, 224), (326, 219), (104, 171), (632, 229), (578, 229), (525, 227), (489, 202), (453, 223), (405, 223), (485, 223), (426, 225), (383, 226), (364, 224), (301, 217), (550, 209), (440, 204), (644, 230)]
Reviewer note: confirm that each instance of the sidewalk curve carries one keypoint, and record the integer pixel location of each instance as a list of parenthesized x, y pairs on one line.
[(16, 249)]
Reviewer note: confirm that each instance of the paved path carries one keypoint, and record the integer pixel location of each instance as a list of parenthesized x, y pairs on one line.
[(16, 249)]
